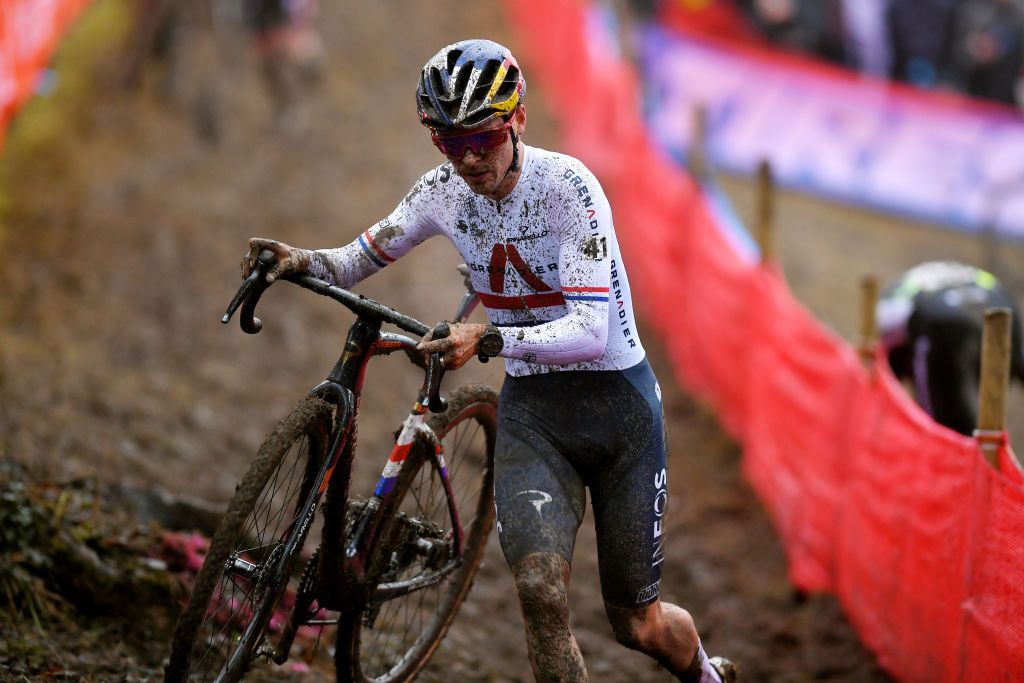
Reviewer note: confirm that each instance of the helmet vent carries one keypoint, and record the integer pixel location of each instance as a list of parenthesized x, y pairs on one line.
[(509, 84), (486, 80), (462, 79), (436, 82), (478, 117), (453, 57)]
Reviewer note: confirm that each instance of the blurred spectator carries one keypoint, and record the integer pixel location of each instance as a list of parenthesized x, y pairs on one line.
[(866, 36), (723, 19), (172, 40), (153, 37), (643, 9), (986, 49), (290, 52), (931, 321), (918, 32), (813, 26), (204, 33), (973, 46)]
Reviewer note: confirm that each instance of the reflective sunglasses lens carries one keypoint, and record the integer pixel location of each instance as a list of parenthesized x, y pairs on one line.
[(452, 147), (484, 141)]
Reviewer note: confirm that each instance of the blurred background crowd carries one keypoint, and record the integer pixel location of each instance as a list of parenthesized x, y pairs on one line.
[(975, 47), (282, 34), (970, 46)]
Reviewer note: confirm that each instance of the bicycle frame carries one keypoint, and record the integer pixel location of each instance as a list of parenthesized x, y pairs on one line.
[(343, 574), (342, 567)]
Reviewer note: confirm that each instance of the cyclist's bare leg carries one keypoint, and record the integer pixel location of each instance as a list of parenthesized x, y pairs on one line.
[(542, 581), (663, 631)]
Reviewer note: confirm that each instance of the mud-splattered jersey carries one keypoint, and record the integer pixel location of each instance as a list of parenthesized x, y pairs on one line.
[(544, 261)]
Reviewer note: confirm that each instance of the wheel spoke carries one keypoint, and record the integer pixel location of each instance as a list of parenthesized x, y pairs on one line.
[(232, 611)]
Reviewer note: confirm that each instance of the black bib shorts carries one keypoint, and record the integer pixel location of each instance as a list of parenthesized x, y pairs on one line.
[(561, 433)]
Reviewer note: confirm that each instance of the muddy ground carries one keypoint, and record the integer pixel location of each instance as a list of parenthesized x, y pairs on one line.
[(120, 253)]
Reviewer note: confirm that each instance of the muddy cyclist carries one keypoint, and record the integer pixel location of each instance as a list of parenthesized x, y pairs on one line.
[(580, 407)]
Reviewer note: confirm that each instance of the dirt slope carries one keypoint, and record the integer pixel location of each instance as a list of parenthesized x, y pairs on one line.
[(113, 364)]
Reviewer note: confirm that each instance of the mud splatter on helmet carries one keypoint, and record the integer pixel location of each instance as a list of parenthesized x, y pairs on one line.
[(467, 83)]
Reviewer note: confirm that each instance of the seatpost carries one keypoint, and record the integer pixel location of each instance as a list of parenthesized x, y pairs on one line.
[(469, 299)]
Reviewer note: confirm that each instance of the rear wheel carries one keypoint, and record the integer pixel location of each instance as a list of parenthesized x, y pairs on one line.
[(253, 552), (420, 578)]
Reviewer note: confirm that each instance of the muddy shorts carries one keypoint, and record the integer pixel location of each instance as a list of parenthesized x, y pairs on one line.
[(564, 432)]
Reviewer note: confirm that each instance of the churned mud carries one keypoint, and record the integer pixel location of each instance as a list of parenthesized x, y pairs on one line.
[(121, 250)]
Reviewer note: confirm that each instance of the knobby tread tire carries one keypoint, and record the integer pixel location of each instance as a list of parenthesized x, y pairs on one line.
[(277, 444)]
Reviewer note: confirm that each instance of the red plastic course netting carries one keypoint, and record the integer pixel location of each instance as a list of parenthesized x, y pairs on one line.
[(904, 520), (29, 31)]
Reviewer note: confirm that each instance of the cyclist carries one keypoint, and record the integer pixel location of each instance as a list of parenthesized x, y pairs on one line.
[(930, 320), (580, 407)]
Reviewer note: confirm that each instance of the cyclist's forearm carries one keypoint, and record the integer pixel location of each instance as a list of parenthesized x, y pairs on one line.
[(578, 337), (379, 245), (342, 267)]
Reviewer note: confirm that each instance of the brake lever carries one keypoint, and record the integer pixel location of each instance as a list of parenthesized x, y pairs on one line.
[(249, 293), (435, 372), (239, 297)]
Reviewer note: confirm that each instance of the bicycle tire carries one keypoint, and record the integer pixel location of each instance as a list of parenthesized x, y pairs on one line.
[(227, 615), (467, 431)]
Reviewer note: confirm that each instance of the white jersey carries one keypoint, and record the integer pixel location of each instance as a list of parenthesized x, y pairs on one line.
[(544, 261)]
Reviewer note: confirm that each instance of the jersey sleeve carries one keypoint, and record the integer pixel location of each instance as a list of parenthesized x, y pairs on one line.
[(412, 222), (584, 268)]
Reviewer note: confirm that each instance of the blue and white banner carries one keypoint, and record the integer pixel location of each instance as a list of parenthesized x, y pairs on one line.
[(931, 157)]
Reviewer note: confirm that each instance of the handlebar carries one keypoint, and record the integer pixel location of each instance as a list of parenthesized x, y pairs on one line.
[(249, 293), (252, 288)]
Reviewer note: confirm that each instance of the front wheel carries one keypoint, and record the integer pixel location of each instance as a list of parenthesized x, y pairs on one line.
[(419, 575), (253, 552)]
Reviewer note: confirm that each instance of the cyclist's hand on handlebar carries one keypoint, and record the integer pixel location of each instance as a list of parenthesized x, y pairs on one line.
[(288, 259), (458, 347)]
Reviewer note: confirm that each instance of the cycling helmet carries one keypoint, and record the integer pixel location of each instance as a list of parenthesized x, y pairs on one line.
[(468, 83)]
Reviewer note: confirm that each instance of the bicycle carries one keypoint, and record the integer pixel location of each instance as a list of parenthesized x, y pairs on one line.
[(395, 566)]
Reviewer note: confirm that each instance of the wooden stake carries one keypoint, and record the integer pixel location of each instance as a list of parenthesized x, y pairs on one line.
[(700, 164), (995, 382), (868, 324), (765, 211)]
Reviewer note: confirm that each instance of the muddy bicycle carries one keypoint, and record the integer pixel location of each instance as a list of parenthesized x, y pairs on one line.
[(391, 569)]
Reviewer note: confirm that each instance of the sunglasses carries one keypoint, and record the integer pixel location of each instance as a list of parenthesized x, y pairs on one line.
[(455, 145)]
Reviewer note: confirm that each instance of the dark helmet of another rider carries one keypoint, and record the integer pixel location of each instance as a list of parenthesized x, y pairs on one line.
[(467, 83)]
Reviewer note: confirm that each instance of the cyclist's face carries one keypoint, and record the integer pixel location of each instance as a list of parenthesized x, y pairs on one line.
[(484, 171)]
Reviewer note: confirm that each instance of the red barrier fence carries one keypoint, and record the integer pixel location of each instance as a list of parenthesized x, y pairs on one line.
[(29, 31), (920, 538)]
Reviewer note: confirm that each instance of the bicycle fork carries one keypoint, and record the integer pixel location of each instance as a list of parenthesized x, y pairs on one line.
[(337, 453)]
